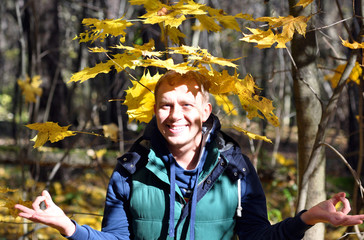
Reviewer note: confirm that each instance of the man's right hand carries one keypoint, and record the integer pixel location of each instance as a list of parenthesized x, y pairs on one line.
[(52, 215)]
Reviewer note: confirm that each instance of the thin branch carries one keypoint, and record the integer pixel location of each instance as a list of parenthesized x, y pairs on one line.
[(353, 172), (330, 25)]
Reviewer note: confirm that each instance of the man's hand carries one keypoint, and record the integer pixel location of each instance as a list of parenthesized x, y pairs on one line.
[(52, 215), (327, 213)]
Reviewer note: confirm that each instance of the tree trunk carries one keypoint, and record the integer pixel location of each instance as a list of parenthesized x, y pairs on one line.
[(309, 111)]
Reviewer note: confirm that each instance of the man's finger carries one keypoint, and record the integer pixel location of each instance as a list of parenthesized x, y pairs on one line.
[(346, 208), (37, 202)]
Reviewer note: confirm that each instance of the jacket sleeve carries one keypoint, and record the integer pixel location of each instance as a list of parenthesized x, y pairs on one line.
[(254, 224), (115, 224)]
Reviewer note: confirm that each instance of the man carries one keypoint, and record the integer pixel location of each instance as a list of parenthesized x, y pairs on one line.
[(186, 179)]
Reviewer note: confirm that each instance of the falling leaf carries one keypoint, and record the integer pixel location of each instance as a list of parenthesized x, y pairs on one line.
[(111, 131), (49, 131), (140, 98), (252, 135), (30, 88)]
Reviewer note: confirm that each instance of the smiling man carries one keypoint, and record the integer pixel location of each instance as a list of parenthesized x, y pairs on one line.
[(186, 179)]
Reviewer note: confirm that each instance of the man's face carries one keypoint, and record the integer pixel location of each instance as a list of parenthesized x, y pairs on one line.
[(180, 111)]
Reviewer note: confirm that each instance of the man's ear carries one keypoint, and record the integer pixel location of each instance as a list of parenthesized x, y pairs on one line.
[(206, 111)]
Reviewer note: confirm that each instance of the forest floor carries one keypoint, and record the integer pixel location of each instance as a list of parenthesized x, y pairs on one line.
[(81, 190)]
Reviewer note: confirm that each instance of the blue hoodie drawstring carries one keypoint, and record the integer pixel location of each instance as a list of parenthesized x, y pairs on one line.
[(172, 197), (193, 208)]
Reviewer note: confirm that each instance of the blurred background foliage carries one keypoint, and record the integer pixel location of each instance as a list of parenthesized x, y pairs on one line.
[(36, 38)]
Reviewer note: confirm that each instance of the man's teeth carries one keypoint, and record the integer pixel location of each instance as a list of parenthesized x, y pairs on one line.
[(177, 128)]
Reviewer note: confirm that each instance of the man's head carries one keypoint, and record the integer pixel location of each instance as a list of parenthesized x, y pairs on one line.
[(181, 106)]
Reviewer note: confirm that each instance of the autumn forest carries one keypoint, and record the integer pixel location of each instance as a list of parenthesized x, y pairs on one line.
[(77, 85)]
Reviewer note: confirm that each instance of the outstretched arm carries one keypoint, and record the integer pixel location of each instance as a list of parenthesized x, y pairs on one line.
[(327, 213), (52, 215)]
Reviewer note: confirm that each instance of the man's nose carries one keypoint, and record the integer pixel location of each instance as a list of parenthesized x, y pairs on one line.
[(176, 112)]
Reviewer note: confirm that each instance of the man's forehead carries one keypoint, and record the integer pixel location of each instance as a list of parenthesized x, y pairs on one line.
[(190, 86)]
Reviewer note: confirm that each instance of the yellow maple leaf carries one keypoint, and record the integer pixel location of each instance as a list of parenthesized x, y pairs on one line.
[(252, 135), (304, 3), (289, 25), (168, 64), (111, 131), (148, 4), (98, 50), (255, 105), (49, 131), (140, 99), (125, 60), (119, 61), (199, 55), (220, 82), (354, 45), (173, 33), (264, 39), (100, 29), (31, 88), (208, 23), (172, 18), (224, 102), (188, 7), (91, 72), (354, 76), (146, 49)]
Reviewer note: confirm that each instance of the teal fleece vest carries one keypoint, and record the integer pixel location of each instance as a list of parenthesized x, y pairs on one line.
[(149, 203)]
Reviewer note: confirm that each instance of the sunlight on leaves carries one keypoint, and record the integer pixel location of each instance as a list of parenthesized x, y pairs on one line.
[(49, 131), (101, 29), (252, 135), (140, 98), (266, 38), (303, 3), (224, 102), (354, 76), (354, 45), (31, 88)]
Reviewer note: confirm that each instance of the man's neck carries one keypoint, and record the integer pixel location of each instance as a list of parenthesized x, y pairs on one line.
[(188, 159)]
